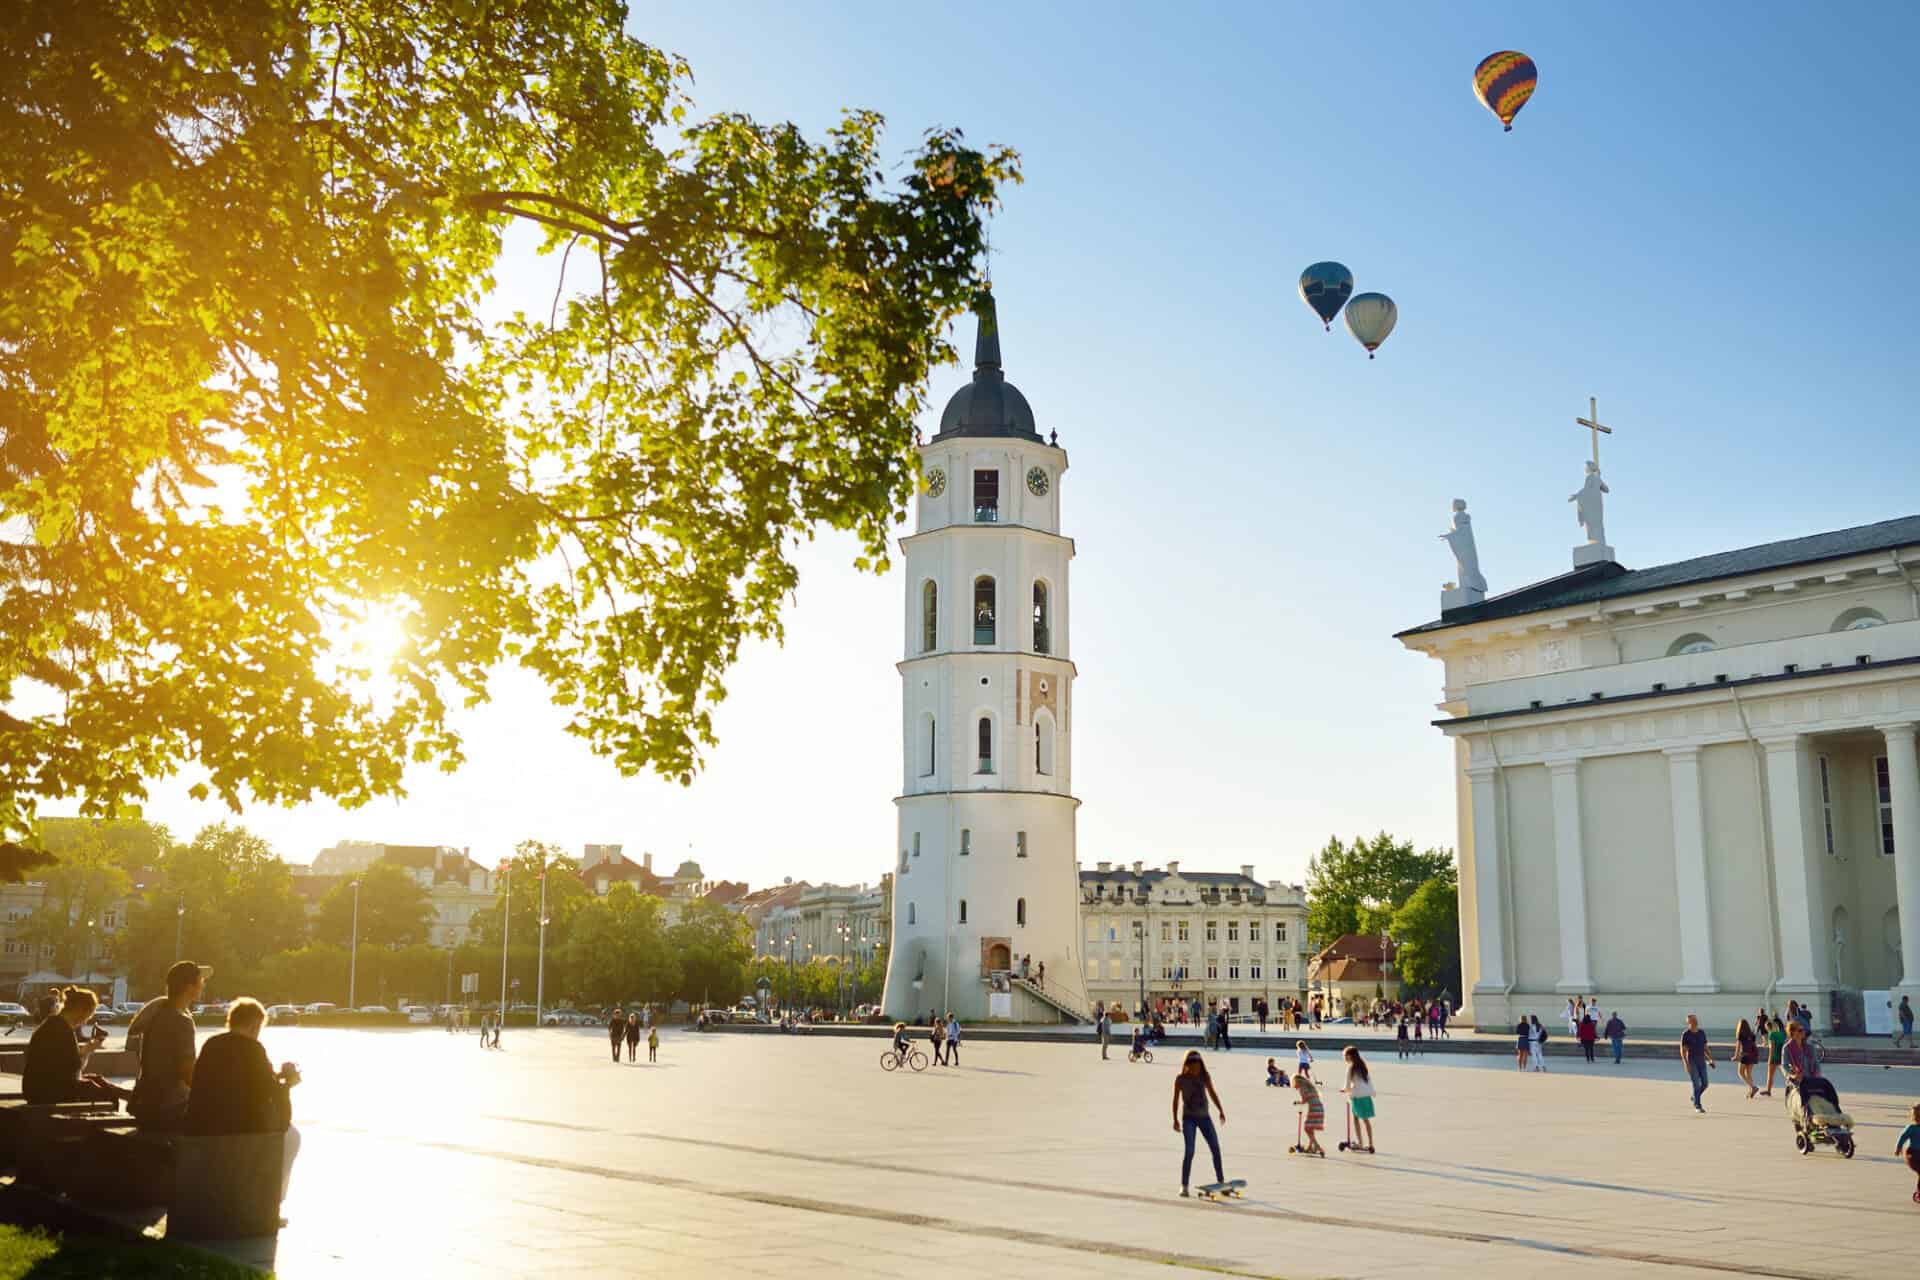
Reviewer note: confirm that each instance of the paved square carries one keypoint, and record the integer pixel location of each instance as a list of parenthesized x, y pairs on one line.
[(749, 1155)]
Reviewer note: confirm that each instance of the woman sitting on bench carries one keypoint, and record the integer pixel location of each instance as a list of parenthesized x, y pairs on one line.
[(52, 1071)]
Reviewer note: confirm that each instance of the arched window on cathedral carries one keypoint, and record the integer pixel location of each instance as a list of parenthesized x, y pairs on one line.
[(931, 735), (1858, 620), (1692, 642), (1042, 630), (1043, 743), (963, 911), (1020, 913), (929, 617), (983, 610), (986, 745)]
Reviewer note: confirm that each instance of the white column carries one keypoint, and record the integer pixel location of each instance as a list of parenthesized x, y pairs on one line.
[(1489, 907), (1795, 892), (1903, 772), (1690, 873), (1570, 873)]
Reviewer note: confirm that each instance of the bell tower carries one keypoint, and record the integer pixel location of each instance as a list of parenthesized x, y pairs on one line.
[(986, 871)]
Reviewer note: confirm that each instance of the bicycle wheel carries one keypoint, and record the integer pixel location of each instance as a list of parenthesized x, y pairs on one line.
[(889, 1060), (918, 1061)]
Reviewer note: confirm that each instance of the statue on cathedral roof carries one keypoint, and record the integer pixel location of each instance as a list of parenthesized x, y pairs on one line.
[(1466, 558), (1590, 507)]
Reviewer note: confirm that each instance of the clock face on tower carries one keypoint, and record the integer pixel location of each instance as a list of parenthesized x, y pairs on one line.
[(1037, 482), (936, 482)]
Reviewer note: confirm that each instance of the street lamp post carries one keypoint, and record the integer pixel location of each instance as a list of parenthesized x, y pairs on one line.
[(1140, 936), (506, 923), (844, 933), (353, 954), (540, 977), (179, 924)]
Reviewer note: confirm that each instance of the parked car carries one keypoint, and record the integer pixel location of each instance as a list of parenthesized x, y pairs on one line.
[(567, 1018), (717, 1015), (420, 1016), (283, 1013), (374, 1008), (8, 1009), (321, 1006)]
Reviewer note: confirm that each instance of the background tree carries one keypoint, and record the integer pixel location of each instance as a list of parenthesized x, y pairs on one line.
[(1356, 887), (251, 391), (1427, 928), (566, 894), (224, 899), (714, 947), (394, 910), (618, 949)]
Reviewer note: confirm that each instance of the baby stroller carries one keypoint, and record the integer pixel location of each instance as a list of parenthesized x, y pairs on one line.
[(1814, 1108)]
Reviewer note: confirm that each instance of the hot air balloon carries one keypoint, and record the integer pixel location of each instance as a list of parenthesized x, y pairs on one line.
[(1503, 82), (1326, 286), (1370, 318)]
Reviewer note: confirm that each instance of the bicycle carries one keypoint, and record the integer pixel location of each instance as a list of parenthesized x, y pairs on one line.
[(892, 1060)]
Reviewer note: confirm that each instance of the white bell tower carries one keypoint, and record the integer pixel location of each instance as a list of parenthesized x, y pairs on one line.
[(986, 871)]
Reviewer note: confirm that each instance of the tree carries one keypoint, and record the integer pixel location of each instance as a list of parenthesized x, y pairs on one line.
[(394, 910), (71, 916), (566, 894), (1355, 888), (224, 899), (619, 950), (257, 409), (714, 947), (1427, 928)]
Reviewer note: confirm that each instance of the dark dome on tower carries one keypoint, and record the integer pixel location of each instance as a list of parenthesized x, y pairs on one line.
[(989, 405)]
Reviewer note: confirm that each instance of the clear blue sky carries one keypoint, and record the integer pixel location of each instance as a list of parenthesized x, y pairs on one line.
[(1704, 217)]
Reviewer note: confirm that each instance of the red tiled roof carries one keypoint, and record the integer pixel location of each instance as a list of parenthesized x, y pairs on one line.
[(725, 892), (1358, 946)]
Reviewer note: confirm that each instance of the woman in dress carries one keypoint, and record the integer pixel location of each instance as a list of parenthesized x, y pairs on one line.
[(1359, 1091), (1523, 1037), (1746, 1052)]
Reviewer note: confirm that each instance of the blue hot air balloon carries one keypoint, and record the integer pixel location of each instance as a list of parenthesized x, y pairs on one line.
[(1370, 318), (1326, 286)]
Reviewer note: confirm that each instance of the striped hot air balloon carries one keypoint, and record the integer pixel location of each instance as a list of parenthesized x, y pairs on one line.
[(1503, 82), (1370, 318)]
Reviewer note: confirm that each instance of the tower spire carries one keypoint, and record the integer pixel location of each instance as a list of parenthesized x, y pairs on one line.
[(986, 343)]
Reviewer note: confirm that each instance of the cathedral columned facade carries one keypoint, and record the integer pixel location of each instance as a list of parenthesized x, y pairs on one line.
[(986, 886)]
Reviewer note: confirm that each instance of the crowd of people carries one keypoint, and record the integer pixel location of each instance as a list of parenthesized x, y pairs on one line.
[(228, 1086)]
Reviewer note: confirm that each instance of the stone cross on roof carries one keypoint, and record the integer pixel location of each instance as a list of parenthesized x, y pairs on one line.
[(1592, 424)]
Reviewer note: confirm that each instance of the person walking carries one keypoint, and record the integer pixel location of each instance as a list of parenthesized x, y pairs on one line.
[(1696, 1056), (1302, 1058), (937, 1032), (1536, 1044), (1523, 1044), (1746, 1052), (653, 1044), (1260, 1011), (1192, 1089), (633, 1037), (953, 1040), (616, 1031), (1359, 1091), (1616, 1035), (1909, 1143), (1776, 1052), (1588, 1033), (1226, 1038), (1103, 1026), (1040, 975), (1905, 1014)]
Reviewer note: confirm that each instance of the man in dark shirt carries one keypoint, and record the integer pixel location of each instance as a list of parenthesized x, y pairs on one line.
[(52, 1070), (165, 1034), (236, 1090), (1696, 1057)]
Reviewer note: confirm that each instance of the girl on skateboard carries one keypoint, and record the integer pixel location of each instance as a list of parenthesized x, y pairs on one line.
[(1191, 1090), (1316, 1114), (1359, 1091)]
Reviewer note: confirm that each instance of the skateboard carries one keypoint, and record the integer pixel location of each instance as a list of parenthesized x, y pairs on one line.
[(1232, 1188)]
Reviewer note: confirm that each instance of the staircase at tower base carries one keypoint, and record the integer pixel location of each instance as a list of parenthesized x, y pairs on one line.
[(1069, 1012)]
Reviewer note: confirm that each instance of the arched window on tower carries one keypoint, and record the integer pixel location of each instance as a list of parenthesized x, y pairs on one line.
[(986, 745), (1043, 743), (983, 610), (1020, 913), (1042, 629), (931, 735), (929, 617)]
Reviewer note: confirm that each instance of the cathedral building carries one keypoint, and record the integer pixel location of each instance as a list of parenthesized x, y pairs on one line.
[(986, 885), (1690, 788)]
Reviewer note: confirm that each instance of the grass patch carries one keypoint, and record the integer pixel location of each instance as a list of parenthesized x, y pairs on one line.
[(31, 1253)]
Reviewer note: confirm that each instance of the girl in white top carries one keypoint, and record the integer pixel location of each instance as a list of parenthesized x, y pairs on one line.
[(1359, 1091), (1303, 1058)]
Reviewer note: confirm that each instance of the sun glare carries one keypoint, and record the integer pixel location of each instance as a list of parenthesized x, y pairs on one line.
[(377, 638)]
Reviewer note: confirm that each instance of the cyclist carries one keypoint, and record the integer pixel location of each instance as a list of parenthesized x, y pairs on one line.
[(1139, 1040), (900, 1040)]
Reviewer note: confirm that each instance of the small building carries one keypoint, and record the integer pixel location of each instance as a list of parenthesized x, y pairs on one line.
[(1353, 965)]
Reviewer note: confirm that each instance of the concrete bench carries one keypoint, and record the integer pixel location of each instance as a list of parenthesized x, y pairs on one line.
[(114, 1165), (14, 1113), (51, 1141), (226, 1188)]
